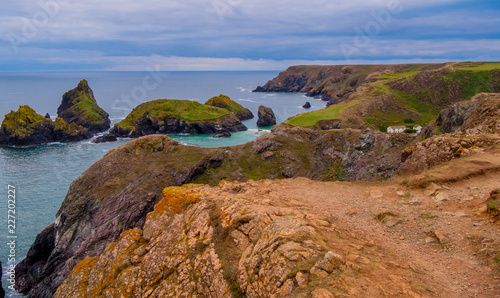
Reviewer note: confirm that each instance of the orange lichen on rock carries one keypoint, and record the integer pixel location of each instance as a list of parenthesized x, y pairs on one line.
[(175, 199)]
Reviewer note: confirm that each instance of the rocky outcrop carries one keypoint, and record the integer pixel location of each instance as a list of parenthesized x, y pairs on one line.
[(27, 128), (80, 106), (211, 242), (307, 105), (443, 148), (223, 101), (117, 192), (107, 138), (479, 115), (167, 116), (329, 124), (266, 117)]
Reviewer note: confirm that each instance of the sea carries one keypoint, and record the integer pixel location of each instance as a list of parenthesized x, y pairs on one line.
[(34, 180)]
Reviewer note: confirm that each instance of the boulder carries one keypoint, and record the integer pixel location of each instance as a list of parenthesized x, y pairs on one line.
[(107, 138), (266, 117), (307, 105)]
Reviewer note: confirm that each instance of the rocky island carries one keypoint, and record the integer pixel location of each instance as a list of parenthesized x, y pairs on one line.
[(79, 118), (169, 116)]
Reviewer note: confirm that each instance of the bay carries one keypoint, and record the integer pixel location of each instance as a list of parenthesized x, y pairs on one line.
[(42, 174)]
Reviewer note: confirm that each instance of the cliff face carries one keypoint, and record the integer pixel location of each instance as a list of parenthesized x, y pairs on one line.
[(334, 82), (199, 241), (80, 106), (479, 115), (117, 192), (167, 116)]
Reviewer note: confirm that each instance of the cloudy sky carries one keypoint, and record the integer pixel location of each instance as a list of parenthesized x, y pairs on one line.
[(242, 34)]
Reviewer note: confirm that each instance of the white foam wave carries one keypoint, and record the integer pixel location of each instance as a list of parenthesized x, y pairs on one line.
[(245, 99)]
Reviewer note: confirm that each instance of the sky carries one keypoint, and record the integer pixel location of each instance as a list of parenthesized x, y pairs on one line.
[(170, 35)]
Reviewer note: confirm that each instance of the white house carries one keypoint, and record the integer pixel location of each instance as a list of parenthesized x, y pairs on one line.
[(418, 128), (396, 129)]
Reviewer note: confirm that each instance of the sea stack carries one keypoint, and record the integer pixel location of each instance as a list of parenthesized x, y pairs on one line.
[(266, 117), (80, 106)]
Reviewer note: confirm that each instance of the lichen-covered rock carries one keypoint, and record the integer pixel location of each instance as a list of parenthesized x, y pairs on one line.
[(168, 116), (26, 128), (188, 248), (266, 117), (223, 101), (64, 132), (80, 106)]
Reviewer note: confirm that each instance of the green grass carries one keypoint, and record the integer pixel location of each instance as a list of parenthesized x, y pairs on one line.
[(398, 75), (331, 112), (474, 81), (223, 101), (163, 108), (478, 66), (87, 109)]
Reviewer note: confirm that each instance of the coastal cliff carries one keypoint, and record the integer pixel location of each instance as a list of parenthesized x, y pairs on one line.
[(300, 238), (168, 116), (132, 224), (379, 96), (117, 192)]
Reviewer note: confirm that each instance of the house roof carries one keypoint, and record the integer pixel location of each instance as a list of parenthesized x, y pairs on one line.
[(397, 127)]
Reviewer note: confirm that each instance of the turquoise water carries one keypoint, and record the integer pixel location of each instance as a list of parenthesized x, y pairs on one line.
[(42, 174)]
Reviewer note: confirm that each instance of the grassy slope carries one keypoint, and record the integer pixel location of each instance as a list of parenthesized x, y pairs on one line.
[(473, 78), (184, 109), (223, 101)]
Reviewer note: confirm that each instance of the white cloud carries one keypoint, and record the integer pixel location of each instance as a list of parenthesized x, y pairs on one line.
[(119, 35)]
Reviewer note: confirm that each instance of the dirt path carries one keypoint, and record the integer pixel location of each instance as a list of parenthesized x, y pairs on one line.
[(443, 249)]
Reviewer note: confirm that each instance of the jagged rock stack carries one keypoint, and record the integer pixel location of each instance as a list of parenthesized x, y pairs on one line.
[(79, 118)]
